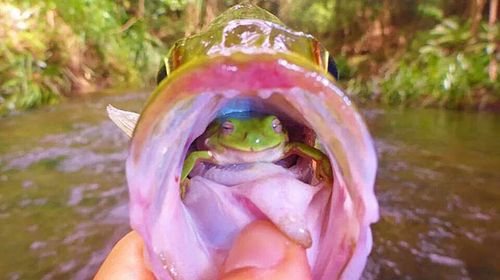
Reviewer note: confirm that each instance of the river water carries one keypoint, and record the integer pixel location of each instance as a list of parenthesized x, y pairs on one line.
[(63, 196)]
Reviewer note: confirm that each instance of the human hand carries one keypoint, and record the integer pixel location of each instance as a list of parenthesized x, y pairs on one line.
[(126, 261), (260, 251)]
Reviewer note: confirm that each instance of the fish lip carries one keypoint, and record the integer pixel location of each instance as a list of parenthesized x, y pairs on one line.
[(177, 81)]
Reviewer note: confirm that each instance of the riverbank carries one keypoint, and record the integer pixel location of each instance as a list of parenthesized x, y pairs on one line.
[(54, 49), (431, 53), (441, 67)]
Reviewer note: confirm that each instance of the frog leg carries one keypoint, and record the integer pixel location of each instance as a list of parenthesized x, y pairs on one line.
[(189, 164), (324, 171)]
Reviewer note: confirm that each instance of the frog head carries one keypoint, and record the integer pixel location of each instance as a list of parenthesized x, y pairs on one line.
[(246, 134)]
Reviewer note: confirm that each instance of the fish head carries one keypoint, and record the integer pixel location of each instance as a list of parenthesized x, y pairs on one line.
[(189, 238)]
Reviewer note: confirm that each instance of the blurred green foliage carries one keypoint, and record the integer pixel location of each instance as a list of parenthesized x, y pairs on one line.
[(429, 52), (417, 53), (443, 66), (50, 48)]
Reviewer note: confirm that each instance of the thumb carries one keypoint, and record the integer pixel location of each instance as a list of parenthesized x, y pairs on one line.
[(261, 251), (126, 261)]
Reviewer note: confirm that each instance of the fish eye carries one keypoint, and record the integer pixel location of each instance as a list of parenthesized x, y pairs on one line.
[(277, 127), (227, 127), (332, 67), (162, 74)]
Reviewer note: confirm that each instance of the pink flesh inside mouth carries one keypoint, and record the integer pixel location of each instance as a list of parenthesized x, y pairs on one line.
[(189, 239)]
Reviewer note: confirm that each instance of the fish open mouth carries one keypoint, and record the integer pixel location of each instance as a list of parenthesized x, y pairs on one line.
[(189, 238)]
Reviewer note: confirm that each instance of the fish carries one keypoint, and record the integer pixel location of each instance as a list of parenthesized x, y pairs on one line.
[(248, 60)]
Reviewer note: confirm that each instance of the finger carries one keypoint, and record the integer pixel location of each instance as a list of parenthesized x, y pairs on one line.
[(261, 251), (126, 261)]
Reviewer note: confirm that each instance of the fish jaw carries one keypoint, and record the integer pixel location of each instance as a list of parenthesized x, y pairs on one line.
[(183, 106)]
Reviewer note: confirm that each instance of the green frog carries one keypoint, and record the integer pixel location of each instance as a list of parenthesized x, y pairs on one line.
[(250, 139)]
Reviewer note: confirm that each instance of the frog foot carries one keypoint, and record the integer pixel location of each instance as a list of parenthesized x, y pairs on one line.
[(324, 172), (183, 187)]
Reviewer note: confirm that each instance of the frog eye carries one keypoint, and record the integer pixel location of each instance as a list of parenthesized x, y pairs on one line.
[(227, 127), (277, 127)]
